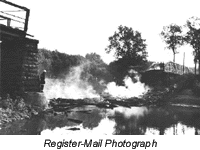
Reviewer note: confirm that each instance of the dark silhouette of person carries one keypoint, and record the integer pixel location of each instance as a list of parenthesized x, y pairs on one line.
[(42, 80)]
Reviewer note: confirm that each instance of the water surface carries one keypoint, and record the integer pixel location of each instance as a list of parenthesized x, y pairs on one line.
[(166, 120)]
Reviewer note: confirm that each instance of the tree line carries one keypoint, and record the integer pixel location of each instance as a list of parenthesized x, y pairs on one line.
[(175, 36), (129, 51), (58, 65)]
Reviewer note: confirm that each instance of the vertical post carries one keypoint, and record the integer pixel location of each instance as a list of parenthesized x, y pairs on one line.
[(26, 20), (198, 63), (8, 22), (183, 62), (0, 67)]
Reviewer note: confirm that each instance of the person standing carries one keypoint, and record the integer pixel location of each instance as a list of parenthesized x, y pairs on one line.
[(42, 80)]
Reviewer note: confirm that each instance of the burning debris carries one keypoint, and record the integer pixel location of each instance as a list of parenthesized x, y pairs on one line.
[(73, 86), (75, 121), (130, 89), (73, 92), (150, 98), (74, 129)]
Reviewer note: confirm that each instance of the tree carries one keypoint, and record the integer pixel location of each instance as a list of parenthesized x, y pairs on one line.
[(98, 68), (93, 57), (128, 44), (129, 50), (195, 62), (193, 38), (172, 37), (96, 72), (118, 70), (57, 64)]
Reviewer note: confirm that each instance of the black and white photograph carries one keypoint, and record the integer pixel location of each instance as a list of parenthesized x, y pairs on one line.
[(99, 67)]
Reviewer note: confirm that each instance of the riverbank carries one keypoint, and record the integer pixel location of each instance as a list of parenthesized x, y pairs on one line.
[(14, 109), (185, 97)]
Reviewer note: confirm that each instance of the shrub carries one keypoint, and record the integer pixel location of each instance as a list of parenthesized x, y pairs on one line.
[(182, 82), (7, 102), (13, 104), (196, 88)]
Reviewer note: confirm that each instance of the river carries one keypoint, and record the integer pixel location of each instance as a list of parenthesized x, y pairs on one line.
[(154, 120)]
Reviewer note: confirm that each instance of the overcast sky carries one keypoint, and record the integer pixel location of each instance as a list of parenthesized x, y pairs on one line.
[(83, 26)]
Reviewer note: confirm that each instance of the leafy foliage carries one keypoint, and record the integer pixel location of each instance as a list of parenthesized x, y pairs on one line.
[(118, 71), (129, 50), (193, 37), (128, 44), (98, 68), (172, 37), (185, 81), (57, 63), (96, 72)]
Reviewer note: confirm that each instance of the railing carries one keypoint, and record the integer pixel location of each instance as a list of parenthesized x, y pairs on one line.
[(11, 17)]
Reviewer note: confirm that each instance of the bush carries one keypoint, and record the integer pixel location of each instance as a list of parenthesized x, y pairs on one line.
[(7, 102), (196, 88), (13, 104), (182, 82)]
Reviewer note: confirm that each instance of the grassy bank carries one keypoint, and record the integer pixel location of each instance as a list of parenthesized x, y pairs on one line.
[(186, 90), (12, 109)]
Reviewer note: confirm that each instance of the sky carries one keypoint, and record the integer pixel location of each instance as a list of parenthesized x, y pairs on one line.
[(84, 26)]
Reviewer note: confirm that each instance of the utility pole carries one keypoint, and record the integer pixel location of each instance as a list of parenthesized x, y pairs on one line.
[(183, 62), (0, 66)]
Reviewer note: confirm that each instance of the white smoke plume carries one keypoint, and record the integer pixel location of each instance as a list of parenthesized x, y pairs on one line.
[(131, 89), (70, 87)]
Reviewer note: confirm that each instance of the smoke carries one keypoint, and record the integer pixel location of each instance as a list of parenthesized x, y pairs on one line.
[(131, 89), (75, 87), (72, 86)]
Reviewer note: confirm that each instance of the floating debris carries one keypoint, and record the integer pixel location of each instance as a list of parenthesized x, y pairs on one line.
[(74, 129), (75, 120), (84, 111)]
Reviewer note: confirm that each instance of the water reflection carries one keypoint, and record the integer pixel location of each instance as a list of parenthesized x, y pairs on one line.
[(178, 129), (128, 120), (168, 120), (129, 112), (105, 127), (91, 119)]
